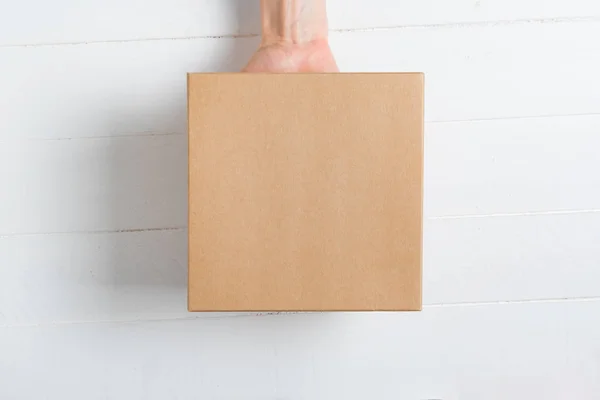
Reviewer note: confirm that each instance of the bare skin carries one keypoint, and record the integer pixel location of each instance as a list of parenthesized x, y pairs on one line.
[(294, 38)]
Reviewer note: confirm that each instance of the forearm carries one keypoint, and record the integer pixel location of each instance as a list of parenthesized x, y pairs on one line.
[(293, 21)]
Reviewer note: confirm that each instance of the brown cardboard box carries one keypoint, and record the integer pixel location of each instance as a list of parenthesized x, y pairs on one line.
[(305, 192)]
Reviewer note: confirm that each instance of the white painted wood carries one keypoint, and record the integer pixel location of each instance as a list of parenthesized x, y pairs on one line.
[(103, 184), (482, 72), (27, 22), (521, 351), (93, 277), (124, 183), (361, 14), (68, 21), (511, 258), (512, 166), (475, 72), (92, 141), (106, 89), (48, 279)]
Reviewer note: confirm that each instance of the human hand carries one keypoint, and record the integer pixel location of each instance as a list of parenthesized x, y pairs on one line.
[(294, 38)]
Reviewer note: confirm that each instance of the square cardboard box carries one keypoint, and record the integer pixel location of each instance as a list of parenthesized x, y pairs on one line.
[(305, 192)]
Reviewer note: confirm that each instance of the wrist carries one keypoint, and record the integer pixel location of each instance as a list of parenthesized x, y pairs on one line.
[(293, 21)]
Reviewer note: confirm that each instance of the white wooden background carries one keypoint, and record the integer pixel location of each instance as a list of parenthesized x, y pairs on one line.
[(93, 207)]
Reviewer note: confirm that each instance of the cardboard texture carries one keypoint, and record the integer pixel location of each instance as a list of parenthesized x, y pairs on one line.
[(305, 192)]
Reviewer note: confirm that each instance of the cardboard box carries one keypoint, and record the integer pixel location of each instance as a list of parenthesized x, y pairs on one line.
[(305, 192)]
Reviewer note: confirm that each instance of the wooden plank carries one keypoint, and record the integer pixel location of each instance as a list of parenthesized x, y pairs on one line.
[(393, 13), (475, 72), (103, 184), (143, 275), (512, 166), (106, 89), (93, 277), (140, 182), (511, 258), (515, 351), (68, 21), (512, 207), (484, 72)]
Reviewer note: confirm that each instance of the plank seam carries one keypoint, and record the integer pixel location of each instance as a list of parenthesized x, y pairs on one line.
[(183, 228), (208, 316), (449, 25), (149, 134)]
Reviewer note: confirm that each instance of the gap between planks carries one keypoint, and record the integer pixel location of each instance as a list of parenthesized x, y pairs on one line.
[(183, 228), (210, 316), (149, 134), (449, 25)]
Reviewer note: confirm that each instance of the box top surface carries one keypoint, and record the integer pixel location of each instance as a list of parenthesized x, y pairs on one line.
[(305, 191)]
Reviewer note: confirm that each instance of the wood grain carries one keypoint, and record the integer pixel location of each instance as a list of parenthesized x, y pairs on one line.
[(127, 183), (93, 203), (62, 278), (520, 351), (31, 22), (476, 72)]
